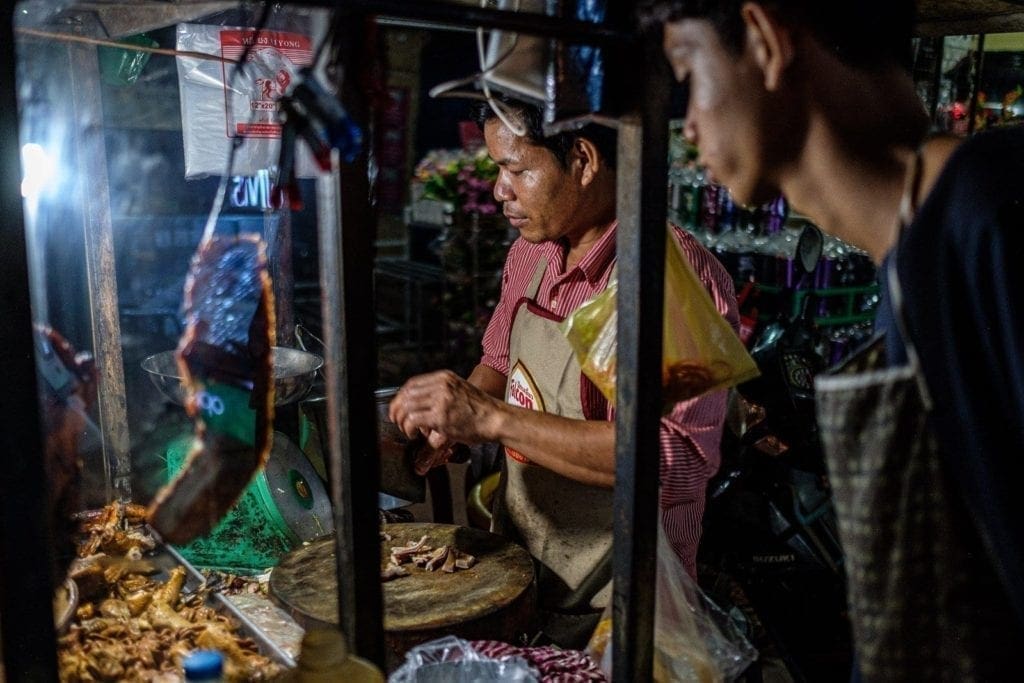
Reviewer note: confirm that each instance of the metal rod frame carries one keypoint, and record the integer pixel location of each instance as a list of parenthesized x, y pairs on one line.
[(97, 227), (353, 468), (979, 65), (450, 14), (640, 244)]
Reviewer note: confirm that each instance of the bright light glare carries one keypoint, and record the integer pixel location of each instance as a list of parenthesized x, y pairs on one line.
[(39, 170)]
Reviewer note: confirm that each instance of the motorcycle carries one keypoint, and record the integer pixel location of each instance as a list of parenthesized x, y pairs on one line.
[(770, 546)]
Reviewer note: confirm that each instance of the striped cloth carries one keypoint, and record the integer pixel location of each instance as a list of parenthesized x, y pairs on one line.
[(692, 431), (553, 664)]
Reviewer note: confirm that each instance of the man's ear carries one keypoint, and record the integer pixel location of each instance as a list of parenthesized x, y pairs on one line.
[(770, 42), (584, 152)]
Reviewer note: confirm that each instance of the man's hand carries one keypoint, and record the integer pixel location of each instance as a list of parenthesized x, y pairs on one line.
[(427, 457), (445, 408)]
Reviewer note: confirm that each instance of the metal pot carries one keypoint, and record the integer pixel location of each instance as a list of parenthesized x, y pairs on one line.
[(386, 428), (397, 452)]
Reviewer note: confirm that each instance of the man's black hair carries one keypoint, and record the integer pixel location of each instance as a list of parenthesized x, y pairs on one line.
[(531, 117), (862, 33)]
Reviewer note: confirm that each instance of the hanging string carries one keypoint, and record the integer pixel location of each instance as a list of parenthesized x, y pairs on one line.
[(69, 38), (236, 140)]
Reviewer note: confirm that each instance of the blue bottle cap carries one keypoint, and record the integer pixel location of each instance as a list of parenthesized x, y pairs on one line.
[(203, 665)]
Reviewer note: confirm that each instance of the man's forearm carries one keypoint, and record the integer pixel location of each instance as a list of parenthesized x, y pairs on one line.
[(578, 449), (583, 450)]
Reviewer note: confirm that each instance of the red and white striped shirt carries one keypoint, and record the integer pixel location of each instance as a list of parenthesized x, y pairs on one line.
[(691, 433)]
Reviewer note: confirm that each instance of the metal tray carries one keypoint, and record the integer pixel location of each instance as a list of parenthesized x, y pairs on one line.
[(166, 557)]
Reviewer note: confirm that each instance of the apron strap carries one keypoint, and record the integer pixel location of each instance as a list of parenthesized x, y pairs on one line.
[(908, 208), (896, 297), (538, 276), (911, 188)]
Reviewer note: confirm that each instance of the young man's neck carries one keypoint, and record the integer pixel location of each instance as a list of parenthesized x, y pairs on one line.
[(861, 140)]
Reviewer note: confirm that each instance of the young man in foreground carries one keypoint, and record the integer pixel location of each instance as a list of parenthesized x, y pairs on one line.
[(924, 430)]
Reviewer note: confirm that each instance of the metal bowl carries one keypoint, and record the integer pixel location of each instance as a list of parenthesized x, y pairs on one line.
[(294, 372)]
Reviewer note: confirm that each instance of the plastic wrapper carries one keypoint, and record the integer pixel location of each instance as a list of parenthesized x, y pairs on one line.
[(121, 67), (579, 83), (694, 640), (701, 352), (453, 660), (219, 103)]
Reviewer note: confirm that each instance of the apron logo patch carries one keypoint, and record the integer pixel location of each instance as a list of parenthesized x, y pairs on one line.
[(522, 391), (516, 455)]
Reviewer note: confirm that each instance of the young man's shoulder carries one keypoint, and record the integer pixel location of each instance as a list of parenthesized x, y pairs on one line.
[(991, 159), (1005, 138), (982, 177)]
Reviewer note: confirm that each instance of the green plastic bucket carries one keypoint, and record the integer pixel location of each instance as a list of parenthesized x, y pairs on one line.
[(284, 505)]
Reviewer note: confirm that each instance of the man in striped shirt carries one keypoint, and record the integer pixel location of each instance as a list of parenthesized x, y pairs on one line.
[(528, 392)]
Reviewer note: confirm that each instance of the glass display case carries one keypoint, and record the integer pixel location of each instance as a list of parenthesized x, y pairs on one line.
[(180, 165), (119, 167), (128, 169)]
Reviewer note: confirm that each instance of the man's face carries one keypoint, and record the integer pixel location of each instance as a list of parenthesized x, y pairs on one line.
[(724, 116), (539, 196)]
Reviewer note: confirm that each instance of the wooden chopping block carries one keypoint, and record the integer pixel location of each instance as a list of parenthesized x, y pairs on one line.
[(495, 599)]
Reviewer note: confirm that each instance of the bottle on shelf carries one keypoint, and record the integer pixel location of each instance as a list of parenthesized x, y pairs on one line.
[(757, 245)]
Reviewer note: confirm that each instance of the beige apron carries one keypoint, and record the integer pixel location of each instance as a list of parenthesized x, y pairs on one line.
[(566, 525), (917, 575)]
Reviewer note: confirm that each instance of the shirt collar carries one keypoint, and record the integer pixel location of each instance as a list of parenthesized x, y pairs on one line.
[(597, 261)]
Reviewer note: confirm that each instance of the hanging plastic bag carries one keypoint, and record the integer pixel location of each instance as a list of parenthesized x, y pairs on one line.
[(219, 102), (694, 640), (701, 352)]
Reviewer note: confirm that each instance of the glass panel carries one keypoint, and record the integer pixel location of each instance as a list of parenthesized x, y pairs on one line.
[(120, 181), (127, 114)]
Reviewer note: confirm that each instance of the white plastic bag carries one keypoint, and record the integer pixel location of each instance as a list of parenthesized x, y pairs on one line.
[(218, 104)]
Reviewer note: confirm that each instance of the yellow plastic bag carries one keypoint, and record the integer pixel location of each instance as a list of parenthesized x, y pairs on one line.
[(701, 352)]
